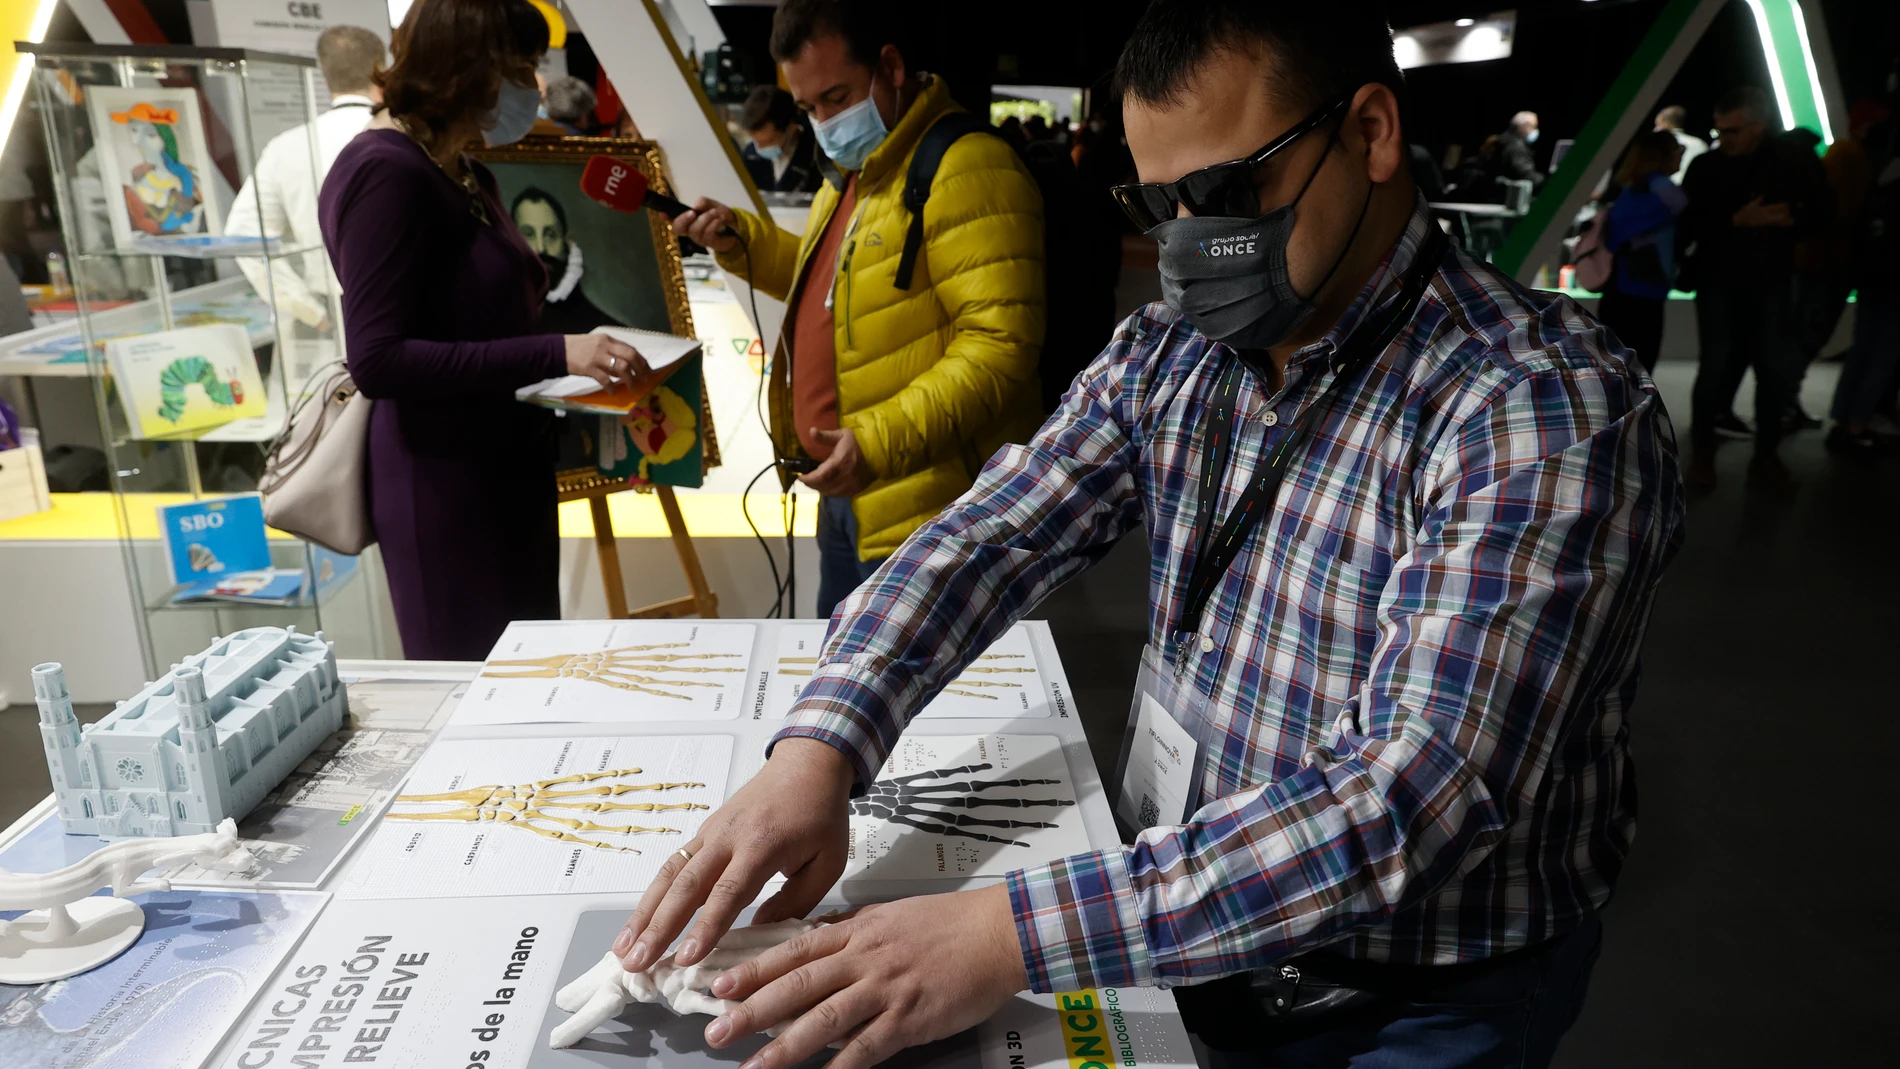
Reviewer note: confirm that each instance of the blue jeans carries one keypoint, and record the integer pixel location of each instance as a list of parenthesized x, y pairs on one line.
[(1875, 358), (839, 569), (1510, 1017)]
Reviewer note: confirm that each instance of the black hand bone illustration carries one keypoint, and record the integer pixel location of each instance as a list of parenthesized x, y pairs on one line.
[(922, 800)]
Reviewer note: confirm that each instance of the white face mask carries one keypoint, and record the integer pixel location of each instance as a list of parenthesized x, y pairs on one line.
[(513, 115)]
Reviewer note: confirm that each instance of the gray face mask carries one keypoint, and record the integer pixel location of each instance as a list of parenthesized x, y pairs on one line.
[(1229, 275)]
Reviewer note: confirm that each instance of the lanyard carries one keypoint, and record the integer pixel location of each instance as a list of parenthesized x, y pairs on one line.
[(1216, 551)]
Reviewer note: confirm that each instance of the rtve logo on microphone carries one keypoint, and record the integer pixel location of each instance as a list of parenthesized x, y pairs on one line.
[(1238, 245), (614, 175)]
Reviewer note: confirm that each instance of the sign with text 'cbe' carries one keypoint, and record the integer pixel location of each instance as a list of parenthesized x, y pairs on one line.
[(292, 26)]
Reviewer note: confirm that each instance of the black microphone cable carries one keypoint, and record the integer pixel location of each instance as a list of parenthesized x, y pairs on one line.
[(785, 589)]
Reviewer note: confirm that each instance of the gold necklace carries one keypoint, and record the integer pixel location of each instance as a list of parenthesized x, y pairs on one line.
[(477, 204)]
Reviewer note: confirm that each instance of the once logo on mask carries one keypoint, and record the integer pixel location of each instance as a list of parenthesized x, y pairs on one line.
[(1237, 245)]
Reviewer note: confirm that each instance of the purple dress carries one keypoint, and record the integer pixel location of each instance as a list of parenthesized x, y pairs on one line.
[(440, 316)]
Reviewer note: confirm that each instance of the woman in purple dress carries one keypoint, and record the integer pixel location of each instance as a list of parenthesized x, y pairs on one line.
[(440, 299)]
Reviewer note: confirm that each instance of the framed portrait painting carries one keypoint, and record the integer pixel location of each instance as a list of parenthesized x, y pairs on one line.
[(152, 162), (611, 268)]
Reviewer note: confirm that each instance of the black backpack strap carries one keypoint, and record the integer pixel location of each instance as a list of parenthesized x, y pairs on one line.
[(923, 170)]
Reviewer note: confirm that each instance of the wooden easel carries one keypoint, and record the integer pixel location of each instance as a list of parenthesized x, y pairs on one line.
[(591, 485)]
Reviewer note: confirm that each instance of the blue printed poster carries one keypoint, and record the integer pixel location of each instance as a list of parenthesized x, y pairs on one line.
[(170, 998)]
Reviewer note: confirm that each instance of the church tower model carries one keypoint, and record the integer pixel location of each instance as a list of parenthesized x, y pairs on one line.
[(206, 742)]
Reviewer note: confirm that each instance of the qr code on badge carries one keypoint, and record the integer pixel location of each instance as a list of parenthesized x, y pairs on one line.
[(1150, 814)]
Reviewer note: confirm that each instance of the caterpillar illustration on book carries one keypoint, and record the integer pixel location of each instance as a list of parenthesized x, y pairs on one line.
[(958, 686), (927, 801), (520, 806), (189, 371), (638, 668)]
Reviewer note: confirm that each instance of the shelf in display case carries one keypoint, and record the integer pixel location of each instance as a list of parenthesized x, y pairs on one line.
[(276, 250)]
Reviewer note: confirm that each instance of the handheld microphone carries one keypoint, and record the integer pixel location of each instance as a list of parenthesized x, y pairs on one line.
[(620, 186)]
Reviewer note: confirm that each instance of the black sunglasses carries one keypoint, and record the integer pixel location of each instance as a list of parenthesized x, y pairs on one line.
[(1217, 189)]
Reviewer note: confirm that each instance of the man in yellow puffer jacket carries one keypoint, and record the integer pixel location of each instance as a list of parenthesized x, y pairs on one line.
[(901, 395)]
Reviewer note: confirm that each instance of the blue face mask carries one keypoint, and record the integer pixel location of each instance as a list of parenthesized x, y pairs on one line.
[(850, 136), (513, 115), (767, 152), (1531, 138)]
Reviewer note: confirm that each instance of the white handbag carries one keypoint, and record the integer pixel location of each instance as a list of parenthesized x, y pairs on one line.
[(314, 482)]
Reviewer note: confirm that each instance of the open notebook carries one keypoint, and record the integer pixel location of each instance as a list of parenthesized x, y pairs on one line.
[(579, 393)]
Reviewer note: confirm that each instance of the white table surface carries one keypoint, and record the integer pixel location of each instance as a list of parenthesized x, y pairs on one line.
[(1150, 1013)]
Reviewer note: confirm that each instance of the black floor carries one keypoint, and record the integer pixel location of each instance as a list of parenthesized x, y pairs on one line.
[(1753, 926)]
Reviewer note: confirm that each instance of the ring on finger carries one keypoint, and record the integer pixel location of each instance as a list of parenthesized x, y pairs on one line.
[(685, 855)]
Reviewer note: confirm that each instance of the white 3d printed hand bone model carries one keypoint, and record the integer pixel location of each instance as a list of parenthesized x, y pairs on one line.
[(69, 931), (600, 993)]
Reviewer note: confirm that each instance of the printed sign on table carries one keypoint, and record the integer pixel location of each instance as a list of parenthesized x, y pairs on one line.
[(167, 1001), (484, 817), (611, 672), (1005, 681)]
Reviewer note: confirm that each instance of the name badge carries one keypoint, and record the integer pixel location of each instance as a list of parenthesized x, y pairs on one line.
[(1158, 785)]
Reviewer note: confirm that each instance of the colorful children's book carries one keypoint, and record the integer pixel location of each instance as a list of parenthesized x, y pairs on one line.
[(208, 541), (177, 383)]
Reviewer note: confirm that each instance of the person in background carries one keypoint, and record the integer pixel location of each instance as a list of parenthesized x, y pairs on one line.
[(1642, 238), (1824, 263), (1516, 159), (279, 199), (1417, 669), (570, 103), (1472, 182), (782, 157), (441, 296), (1750, 199), (898, 394), (1872, 368), (1672, 119)]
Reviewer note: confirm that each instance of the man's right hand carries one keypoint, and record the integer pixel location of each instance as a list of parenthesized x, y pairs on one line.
[(1755, 213), (703, 223), (791, 818)]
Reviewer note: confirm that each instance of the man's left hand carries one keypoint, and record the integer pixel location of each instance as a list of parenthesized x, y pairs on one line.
[(884, 978), (844, 473)]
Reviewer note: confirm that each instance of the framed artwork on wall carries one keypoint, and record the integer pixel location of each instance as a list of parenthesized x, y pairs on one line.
[(610, 268), (153, 163)]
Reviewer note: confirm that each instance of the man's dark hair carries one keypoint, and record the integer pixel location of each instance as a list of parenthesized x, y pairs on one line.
[(768, 104), (540, 196), (1752, 101), (1320, 51), (866, 26)]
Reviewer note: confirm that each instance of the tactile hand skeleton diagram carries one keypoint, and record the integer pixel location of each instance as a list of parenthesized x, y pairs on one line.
[(517, 806), (956, 686), (599, 994), (925, 801), (626, 668)]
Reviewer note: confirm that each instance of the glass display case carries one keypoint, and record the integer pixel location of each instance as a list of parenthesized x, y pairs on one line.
[(204, 318)]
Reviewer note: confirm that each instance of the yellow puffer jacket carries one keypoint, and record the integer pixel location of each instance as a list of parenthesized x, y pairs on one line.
[(933, 379)]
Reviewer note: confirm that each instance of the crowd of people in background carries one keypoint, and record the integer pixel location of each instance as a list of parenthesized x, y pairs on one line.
[(1772, 234), (1770, 230)]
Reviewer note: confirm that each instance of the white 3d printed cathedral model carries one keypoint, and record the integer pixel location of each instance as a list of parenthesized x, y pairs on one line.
[(206, 742)]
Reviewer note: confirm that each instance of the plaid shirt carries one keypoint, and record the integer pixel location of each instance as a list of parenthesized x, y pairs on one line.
[(1421, 665)]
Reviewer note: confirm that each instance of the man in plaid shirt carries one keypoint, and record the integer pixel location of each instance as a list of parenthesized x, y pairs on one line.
[(1418, 664)]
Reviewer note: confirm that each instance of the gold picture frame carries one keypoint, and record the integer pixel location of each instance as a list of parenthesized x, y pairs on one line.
[(557, 163), (647, 158)]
